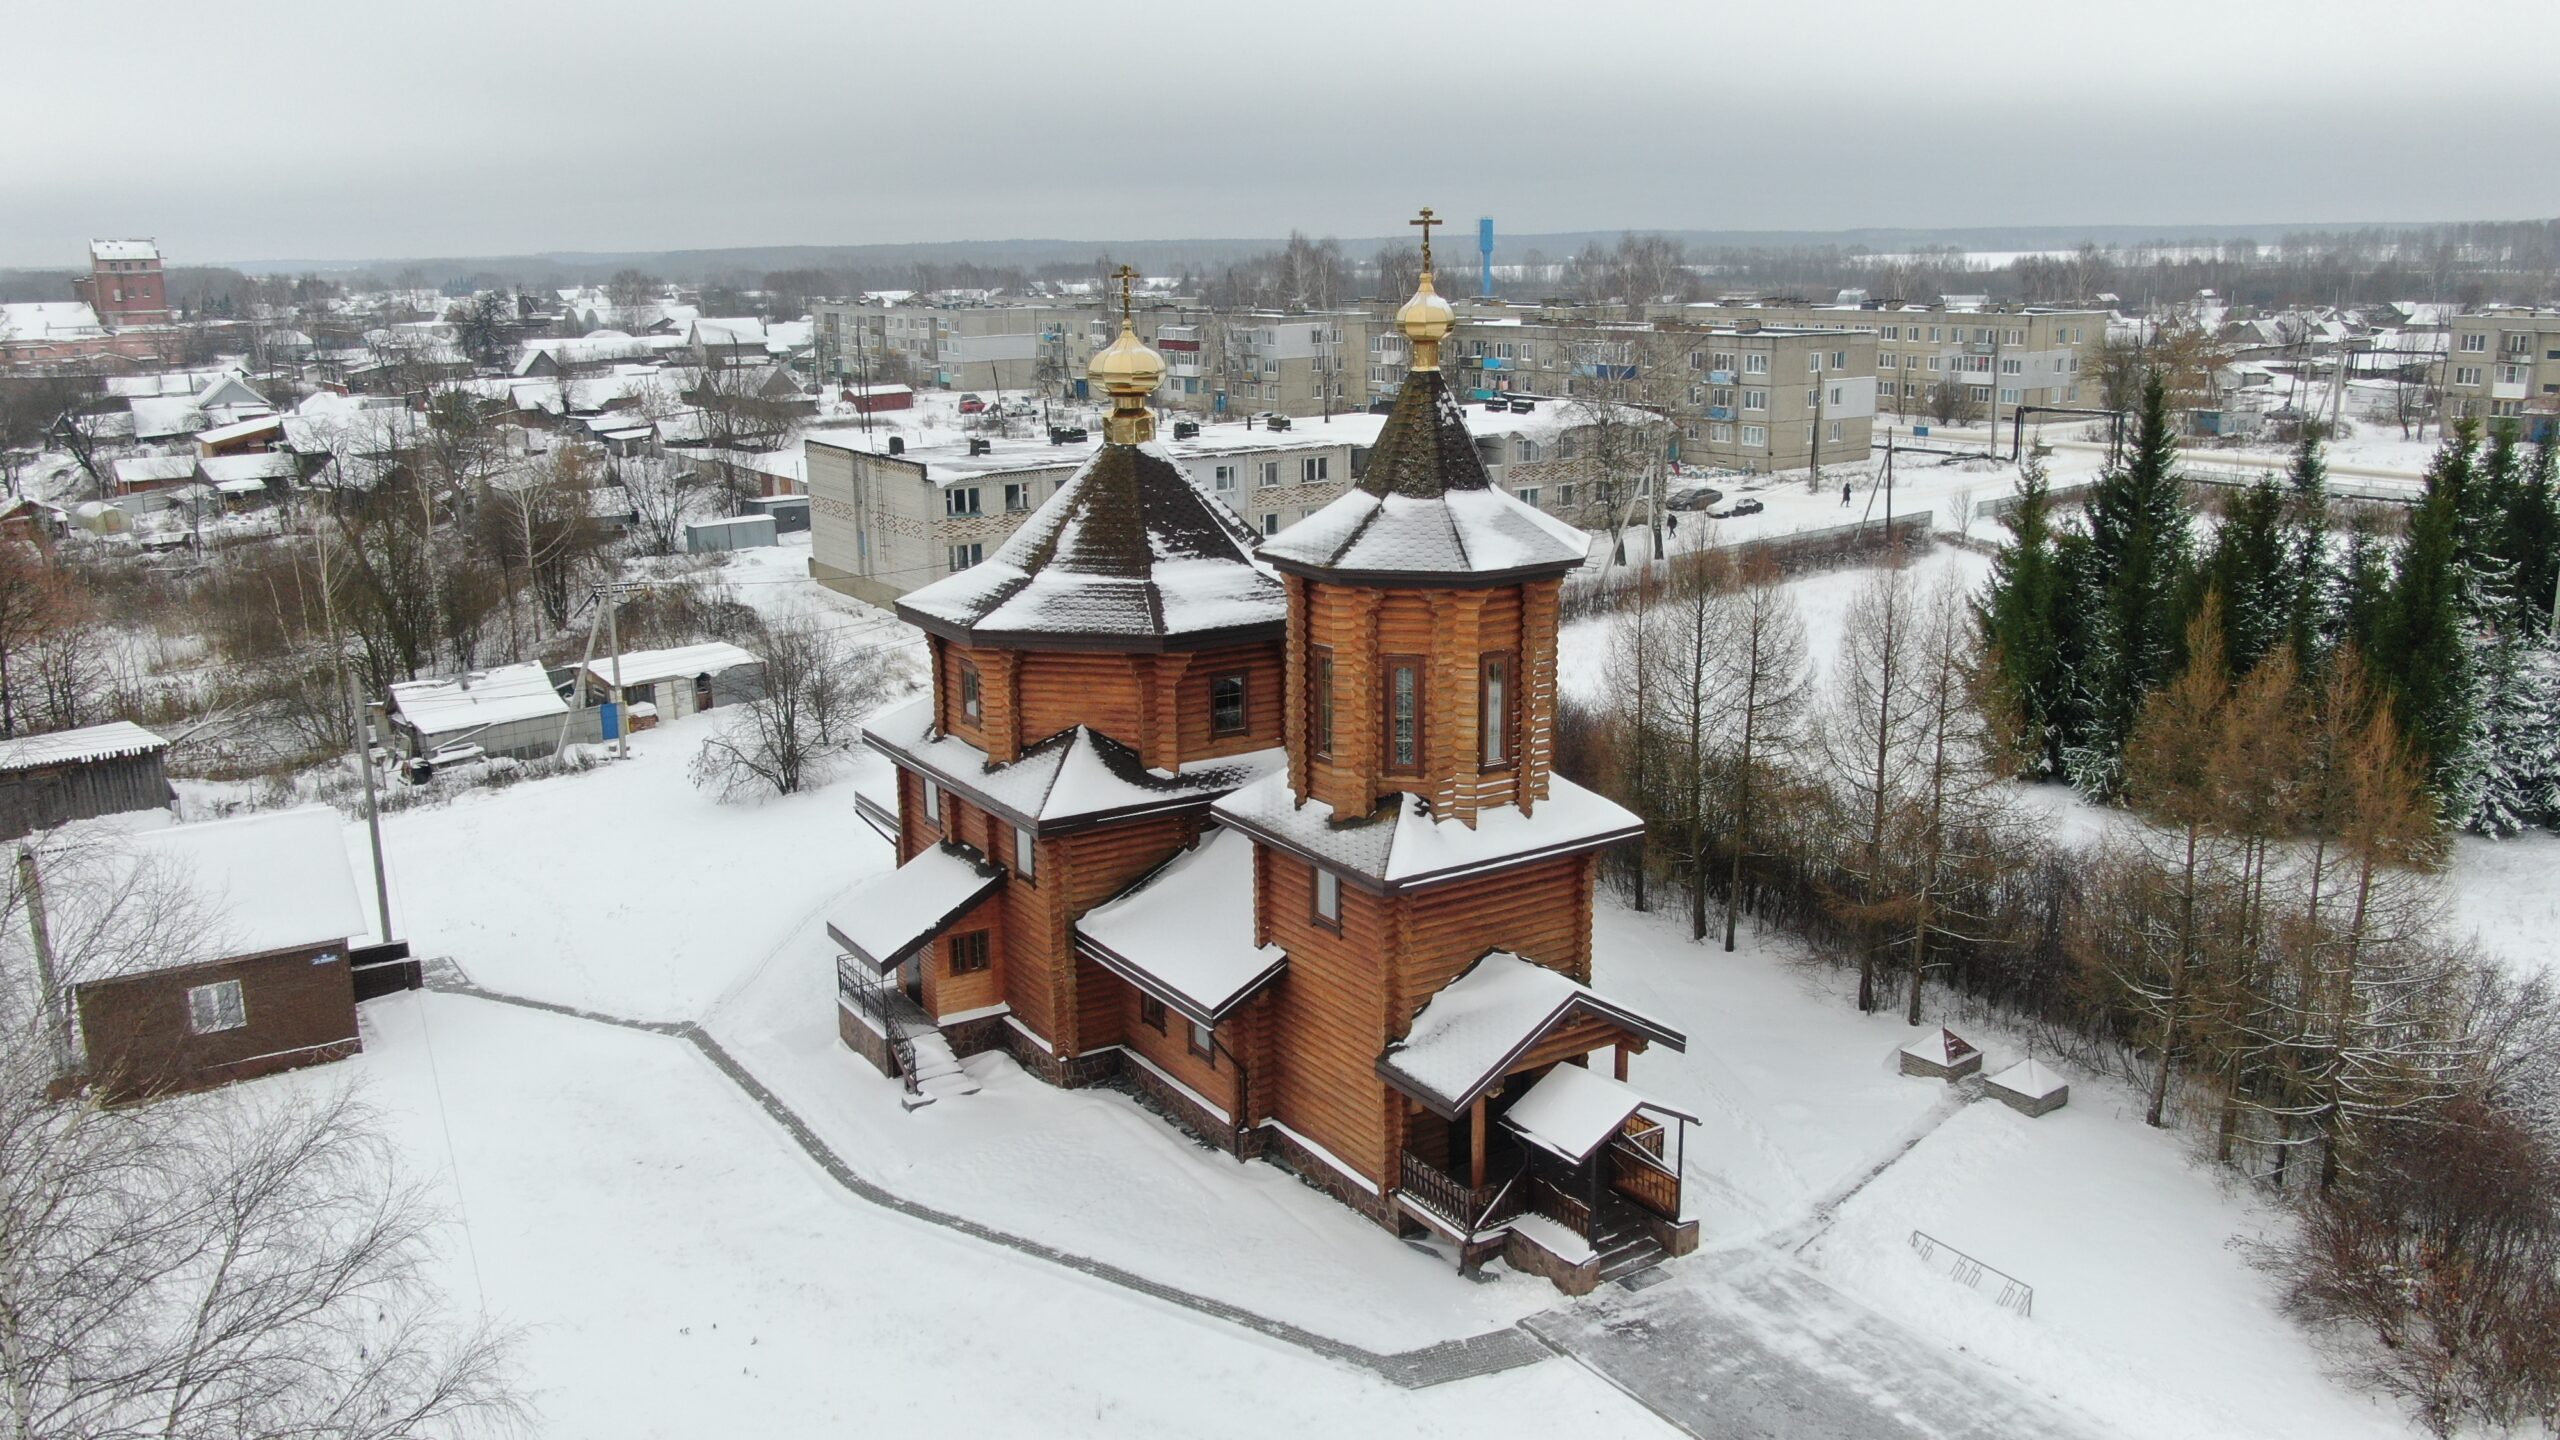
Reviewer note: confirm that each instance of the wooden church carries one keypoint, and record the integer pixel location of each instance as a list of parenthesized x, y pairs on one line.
[(1267, 831)]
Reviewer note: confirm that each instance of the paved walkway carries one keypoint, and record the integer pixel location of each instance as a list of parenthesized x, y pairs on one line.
[(1749, 1345), (1743, 1344)]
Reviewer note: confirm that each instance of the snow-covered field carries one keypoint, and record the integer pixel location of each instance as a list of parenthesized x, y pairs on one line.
[(678, 1269)]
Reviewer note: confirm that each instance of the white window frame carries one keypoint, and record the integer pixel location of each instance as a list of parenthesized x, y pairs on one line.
[(1026, 853), (214, 1008), (1328, 897), (1755, 435)]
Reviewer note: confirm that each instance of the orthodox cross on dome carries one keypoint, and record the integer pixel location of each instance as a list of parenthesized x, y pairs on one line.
[(1125, 276), (1426, 220)]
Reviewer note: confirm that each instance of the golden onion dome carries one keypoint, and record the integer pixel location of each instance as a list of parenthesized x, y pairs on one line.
[(1426, 320), (1126, 366)]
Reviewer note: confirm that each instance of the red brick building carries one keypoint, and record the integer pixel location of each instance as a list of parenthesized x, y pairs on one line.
[(125, 286)]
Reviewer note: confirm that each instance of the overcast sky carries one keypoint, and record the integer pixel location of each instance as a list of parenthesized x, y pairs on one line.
[(342, 131)]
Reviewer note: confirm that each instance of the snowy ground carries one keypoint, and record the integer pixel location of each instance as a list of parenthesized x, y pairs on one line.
[(643, 1222)]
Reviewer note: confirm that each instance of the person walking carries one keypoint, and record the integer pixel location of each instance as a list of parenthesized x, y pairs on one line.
[(1844, 494)]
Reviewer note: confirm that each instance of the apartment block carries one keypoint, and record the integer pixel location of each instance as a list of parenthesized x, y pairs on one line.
[(883, 522), (2503, 361), (2003, 356), (962, 347), (1294, 363)]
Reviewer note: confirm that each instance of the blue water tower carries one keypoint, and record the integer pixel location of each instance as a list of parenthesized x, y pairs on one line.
[(1484, 249)]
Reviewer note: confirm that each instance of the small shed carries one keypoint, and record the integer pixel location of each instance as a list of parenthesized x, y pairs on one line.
[(110, 769), (2029, 1088), (741, 532), (263, 984), (872, 399), (1941, 1054), (506, 710), (677, 682), (790, 513)]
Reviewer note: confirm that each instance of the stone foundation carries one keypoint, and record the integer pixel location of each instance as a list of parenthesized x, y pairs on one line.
[(1572, 1277), (1295, 1158), (862, 1040), (1152, 1091)]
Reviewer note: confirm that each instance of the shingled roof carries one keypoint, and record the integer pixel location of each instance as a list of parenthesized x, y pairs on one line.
[(1130, 554), (1425, 511)]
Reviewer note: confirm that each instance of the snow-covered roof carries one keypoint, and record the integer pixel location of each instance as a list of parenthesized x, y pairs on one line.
[(1939, 1047), (1407, 846), (892, 916), (2028, 1078), (29, 320), (112, 741), (167, 415), (1129, 551), (254, 469), (866, 391), (1425, 509), (1184, 934), (682, 662), (745, 330), (1573, 1110), (496, 696), (153, 469), (1465, 1038), (241, 429), (274, 881), (123, 250), (1075, 776)]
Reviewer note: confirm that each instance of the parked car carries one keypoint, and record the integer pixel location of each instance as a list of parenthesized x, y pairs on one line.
[(971, 405), (1698, 499), (1744, 506)]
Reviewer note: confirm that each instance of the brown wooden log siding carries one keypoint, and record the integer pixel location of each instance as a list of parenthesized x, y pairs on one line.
[(1452, 630), (1157, 704)]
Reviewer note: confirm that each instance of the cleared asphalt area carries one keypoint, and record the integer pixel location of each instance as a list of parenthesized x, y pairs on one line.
[(1753, 1345)]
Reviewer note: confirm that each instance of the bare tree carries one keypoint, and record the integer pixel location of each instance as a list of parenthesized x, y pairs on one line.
[(1870, 745), (1768, 683), (244, 1263), (815, 691)]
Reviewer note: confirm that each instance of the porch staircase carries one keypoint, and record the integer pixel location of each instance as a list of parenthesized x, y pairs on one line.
[(1622, 1243), (934, 1069)]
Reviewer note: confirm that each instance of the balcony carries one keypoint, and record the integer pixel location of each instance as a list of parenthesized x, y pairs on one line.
[(1719, 377), (1719, 412)]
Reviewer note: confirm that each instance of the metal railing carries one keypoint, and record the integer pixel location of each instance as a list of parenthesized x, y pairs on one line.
[(879, 998), (2015, 1294), (1471, 1209)]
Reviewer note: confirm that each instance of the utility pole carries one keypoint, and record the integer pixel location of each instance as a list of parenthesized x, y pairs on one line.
[(1998, 334), (1820, 380), (57, 1019), (357, 722), (621, 704)]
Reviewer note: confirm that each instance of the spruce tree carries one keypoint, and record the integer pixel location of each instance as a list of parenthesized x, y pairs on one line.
[(2310, 577), (2433, 637), (2019, 615), (2142, 546), (2359, 603), (2529, 539), (2247, 565), (2517, 779)]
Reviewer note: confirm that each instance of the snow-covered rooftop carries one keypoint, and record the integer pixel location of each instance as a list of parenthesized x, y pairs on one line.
[(35, 320), (1185, 934), (1130, 549), (1407, 846), (495, 697), (2028, 1078), (274, 881), (123, 250), (1466, 1037), (894, 915), (225, 470), (1074, 775), (682, 662), (240, 429), (153, 469), (1426, 508), (1939, 1047), (111, 741), (1574, 1109)]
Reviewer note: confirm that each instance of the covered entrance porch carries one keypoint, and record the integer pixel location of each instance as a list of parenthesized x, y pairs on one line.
[(1514, 1142)]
